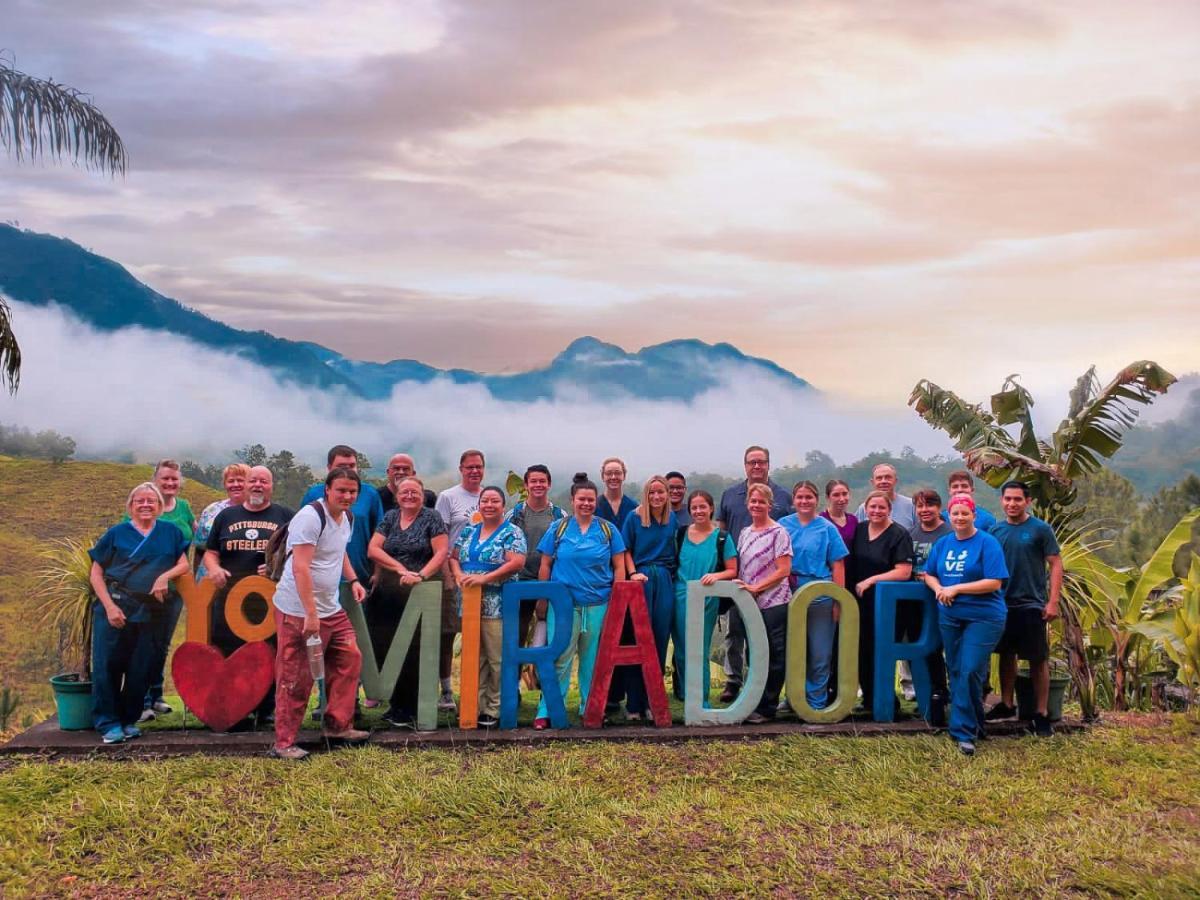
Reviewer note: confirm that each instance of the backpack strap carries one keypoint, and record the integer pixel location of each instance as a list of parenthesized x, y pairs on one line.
[(722, 537)]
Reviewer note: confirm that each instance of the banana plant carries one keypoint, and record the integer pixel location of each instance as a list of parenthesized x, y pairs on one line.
[(1097, 419), (1178, 629), (1122, 598)]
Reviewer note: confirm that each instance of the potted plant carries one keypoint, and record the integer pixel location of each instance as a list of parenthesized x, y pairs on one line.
[(1059, 682), (67, 597)]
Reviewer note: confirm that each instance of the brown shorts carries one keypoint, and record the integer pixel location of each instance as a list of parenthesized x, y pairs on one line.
[(451, 621)]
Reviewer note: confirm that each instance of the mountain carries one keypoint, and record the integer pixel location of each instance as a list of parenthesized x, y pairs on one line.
[(41, 269)]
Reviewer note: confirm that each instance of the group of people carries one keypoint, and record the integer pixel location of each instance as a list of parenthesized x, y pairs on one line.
[(996, 582)]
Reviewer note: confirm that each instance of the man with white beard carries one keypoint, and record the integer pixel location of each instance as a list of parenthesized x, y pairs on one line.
[(236, 548)]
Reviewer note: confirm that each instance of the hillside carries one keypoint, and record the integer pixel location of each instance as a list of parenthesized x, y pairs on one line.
[(41, 269), (40, 501)]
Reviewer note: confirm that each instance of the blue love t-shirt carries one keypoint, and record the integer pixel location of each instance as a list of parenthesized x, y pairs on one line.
[(953, 561), (583, 560)]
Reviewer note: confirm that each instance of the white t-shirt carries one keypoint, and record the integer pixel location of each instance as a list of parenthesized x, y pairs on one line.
[(458, 508), (305, 528)]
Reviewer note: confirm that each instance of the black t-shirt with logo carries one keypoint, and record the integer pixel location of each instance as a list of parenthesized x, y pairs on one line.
[(240, 536)]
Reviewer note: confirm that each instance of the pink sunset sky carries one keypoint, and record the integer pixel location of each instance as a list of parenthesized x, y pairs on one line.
[(866, 193)]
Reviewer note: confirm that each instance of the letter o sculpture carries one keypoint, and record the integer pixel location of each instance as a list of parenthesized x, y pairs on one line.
[(797, 652)]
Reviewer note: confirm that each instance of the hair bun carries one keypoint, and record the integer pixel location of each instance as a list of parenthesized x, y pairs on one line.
[(579, 478)]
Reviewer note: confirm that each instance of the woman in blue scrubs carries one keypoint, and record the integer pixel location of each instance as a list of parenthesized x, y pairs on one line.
[(818, 554), (649, 536), (133, 564), (587, 556), (706, 554)]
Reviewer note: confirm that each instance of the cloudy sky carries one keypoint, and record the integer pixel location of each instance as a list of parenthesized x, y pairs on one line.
[(866, 193)]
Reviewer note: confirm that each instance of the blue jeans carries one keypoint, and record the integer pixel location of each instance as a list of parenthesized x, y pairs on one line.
[(162, 629), (969, 645), (660, 603), (121, 661), (822, 631), (679, 632)]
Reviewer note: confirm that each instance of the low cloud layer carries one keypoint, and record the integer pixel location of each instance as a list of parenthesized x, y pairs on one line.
[(154, 394)]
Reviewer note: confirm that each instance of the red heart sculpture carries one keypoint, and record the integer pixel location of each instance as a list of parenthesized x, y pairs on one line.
[(222, 691)]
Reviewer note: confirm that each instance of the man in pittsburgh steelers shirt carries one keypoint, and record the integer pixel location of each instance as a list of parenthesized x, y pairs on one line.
[(236, 548)]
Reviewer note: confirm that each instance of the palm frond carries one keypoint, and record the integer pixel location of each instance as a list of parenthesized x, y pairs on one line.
[(39, 117), (10, 351), (967, 424), (1094, 433), (1012, 405)]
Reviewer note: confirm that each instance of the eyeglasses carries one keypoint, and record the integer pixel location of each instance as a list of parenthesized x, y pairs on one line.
[(757, 462), (472, 468)]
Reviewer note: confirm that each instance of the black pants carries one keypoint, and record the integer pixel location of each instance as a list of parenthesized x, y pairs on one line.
[(908, 627), (383, 611), (775, 619), (256, 609)]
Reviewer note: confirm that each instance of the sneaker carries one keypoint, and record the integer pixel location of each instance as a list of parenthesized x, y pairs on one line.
[(160, 707), (907, 691), (350, 735), (148, 715), (966, 748), (446, 703), (486, 721), (1000, 711), (293, 753), (1041, 726), (131, 732), (114, 735), (398, 719), (541, 724), (730, 693), (783, 706), (757, 718)]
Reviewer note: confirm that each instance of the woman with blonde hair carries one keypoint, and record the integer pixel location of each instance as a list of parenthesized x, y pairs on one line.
[(132, 567), (764, 563), (233, 479), (649, 536)]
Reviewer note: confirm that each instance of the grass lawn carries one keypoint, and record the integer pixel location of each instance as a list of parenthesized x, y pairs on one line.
[(1115, 810)]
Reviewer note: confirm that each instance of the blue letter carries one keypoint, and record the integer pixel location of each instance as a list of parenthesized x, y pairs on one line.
[(888, 651), (543, 658)]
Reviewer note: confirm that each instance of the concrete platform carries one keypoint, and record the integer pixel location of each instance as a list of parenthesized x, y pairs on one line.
[(48, 741)]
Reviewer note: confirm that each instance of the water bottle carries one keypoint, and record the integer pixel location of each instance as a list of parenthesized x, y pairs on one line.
[(316, 657)]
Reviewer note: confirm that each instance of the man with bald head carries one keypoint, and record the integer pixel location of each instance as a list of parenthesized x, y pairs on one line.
[(399, 467), (883, 478), (237, 547)]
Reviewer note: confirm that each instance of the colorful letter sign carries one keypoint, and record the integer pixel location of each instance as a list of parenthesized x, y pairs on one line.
[(797, 652), (889, 651), (513, 655), (627, 597), (696, 670), (423, 610)]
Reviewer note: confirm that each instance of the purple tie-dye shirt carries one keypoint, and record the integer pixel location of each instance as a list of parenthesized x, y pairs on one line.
[(757, 553)]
